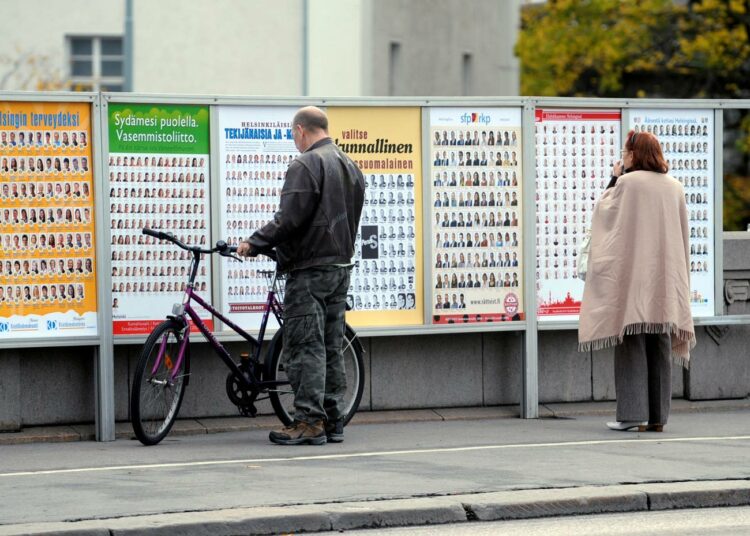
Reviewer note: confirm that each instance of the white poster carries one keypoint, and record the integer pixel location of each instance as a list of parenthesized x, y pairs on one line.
[(476, 223), (687, 140), (158, 179), (256, 148), (575, 152)]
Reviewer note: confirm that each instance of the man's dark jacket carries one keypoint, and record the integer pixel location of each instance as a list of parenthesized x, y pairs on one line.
[(318, 216)]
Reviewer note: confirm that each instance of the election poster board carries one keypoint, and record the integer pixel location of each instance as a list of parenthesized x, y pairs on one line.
[(387, 279), (476, 224), (47, 260), (256, 147), (575, 152), (687, 141), (158, 179)]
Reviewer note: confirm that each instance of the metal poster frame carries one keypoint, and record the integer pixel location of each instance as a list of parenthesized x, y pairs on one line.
[(625, 106), (62, 97), (216, 231), (140, 98), (531, 325), (530, 367), (103, 361), (490, 102)]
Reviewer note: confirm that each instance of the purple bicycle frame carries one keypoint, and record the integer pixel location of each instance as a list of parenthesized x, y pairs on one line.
[(272, 305)]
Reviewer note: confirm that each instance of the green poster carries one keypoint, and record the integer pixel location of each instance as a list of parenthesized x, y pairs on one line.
[(158, 128)]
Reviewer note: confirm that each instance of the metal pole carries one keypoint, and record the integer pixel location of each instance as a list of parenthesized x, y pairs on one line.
[(718, 212), (426, 218), (305, 47), (530, 391), (104, 353), (214, 194), (128, 45)]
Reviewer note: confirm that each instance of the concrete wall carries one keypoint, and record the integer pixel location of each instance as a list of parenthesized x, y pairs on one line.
[(402, 373), (434, 35), (219, 47), (256, 47), (336, 53), (180, 46)]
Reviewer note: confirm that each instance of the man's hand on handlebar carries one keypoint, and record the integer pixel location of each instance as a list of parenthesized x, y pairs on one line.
[(245, 249)]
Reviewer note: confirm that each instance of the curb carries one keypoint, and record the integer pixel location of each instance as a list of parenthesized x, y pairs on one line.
[(495, 506)]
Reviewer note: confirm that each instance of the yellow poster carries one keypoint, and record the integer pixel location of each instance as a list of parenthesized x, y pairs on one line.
[(386, 144), (47, 255)]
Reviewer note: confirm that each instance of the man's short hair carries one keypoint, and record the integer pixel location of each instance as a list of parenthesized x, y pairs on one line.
[(311, 118)]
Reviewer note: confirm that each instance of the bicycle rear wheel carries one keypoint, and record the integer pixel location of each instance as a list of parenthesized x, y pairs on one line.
[(156, 398), (282, 397)]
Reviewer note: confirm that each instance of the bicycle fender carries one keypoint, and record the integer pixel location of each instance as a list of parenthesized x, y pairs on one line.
[(179, 320)]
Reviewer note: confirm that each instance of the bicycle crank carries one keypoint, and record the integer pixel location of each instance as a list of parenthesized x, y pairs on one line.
[(241, 397)]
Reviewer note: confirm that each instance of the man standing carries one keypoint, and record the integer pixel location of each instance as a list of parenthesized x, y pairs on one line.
[(313, 233)]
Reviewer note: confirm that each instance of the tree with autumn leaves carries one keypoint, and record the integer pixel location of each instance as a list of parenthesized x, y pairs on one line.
[(648, 48)]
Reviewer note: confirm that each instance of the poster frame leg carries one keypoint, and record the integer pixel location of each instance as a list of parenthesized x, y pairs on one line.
[(530, 366), (103, 353)]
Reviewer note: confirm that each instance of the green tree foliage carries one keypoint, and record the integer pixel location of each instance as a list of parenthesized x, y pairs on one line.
[(646, 48), (612, 48)]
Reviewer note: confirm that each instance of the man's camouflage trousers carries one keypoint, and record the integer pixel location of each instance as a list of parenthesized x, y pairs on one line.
[(314, 309)]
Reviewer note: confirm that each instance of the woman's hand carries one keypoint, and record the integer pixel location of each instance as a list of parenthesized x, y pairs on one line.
[(618, 169)]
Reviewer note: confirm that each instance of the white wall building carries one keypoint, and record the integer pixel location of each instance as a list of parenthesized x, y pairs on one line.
[(265, 47)]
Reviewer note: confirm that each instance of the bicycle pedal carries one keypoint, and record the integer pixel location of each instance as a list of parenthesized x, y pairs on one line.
[(249, 411)]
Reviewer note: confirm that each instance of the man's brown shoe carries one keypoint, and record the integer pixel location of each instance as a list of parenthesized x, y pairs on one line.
[(300, 433)]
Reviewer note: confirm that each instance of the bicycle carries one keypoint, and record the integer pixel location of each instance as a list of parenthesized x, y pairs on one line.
[(163, 370)]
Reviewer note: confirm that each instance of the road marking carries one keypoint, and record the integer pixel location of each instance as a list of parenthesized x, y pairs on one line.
[(638, 441)]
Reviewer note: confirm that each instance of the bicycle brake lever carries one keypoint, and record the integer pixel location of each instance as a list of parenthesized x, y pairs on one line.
[(231, 256)]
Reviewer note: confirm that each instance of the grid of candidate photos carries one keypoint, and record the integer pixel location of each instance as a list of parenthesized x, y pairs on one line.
[(476, 210), (574, 164), (686, 148), (383, 277), (46, 239), (165, 193), (252, 185)]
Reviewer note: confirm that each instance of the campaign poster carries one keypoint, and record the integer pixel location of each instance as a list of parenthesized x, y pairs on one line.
[(48, 260), (256, 148), (476, 223), (158, 179), (386, 285), (575, 152), (687, 141)]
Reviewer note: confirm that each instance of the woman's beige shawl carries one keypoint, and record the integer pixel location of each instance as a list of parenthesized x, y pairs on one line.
[(638, 278)]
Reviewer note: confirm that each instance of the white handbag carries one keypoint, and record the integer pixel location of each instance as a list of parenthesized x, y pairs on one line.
[(583, 256)]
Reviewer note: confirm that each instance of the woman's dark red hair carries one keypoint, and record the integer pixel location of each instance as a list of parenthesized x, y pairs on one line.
[(646, 151)]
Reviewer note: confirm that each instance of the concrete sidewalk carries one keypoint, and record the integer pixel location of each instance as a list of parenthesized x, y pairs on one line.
[(188, 427), (401, 469)]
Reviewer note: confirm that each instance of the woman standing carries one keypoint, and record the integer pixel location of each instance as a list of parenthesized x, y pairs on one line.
[(637, 293)]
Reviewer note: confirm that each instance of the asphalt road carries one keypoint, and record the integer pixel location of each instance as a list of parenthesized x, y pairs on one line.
[(87, 480)]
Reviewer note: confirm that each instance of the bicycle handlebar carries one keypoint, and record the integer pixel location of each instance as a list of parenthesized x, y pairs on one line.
[(222, 248), (169, 237)]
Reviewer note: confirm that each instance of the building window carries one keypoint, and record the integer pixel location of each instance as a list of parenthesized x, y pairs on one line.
[(96, 63), (394, 69), (466, 75)]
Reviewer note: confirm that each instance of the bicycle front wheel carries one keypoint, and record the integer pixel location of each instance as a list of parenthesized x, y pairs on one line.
[(282, 397), (158, 388)]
